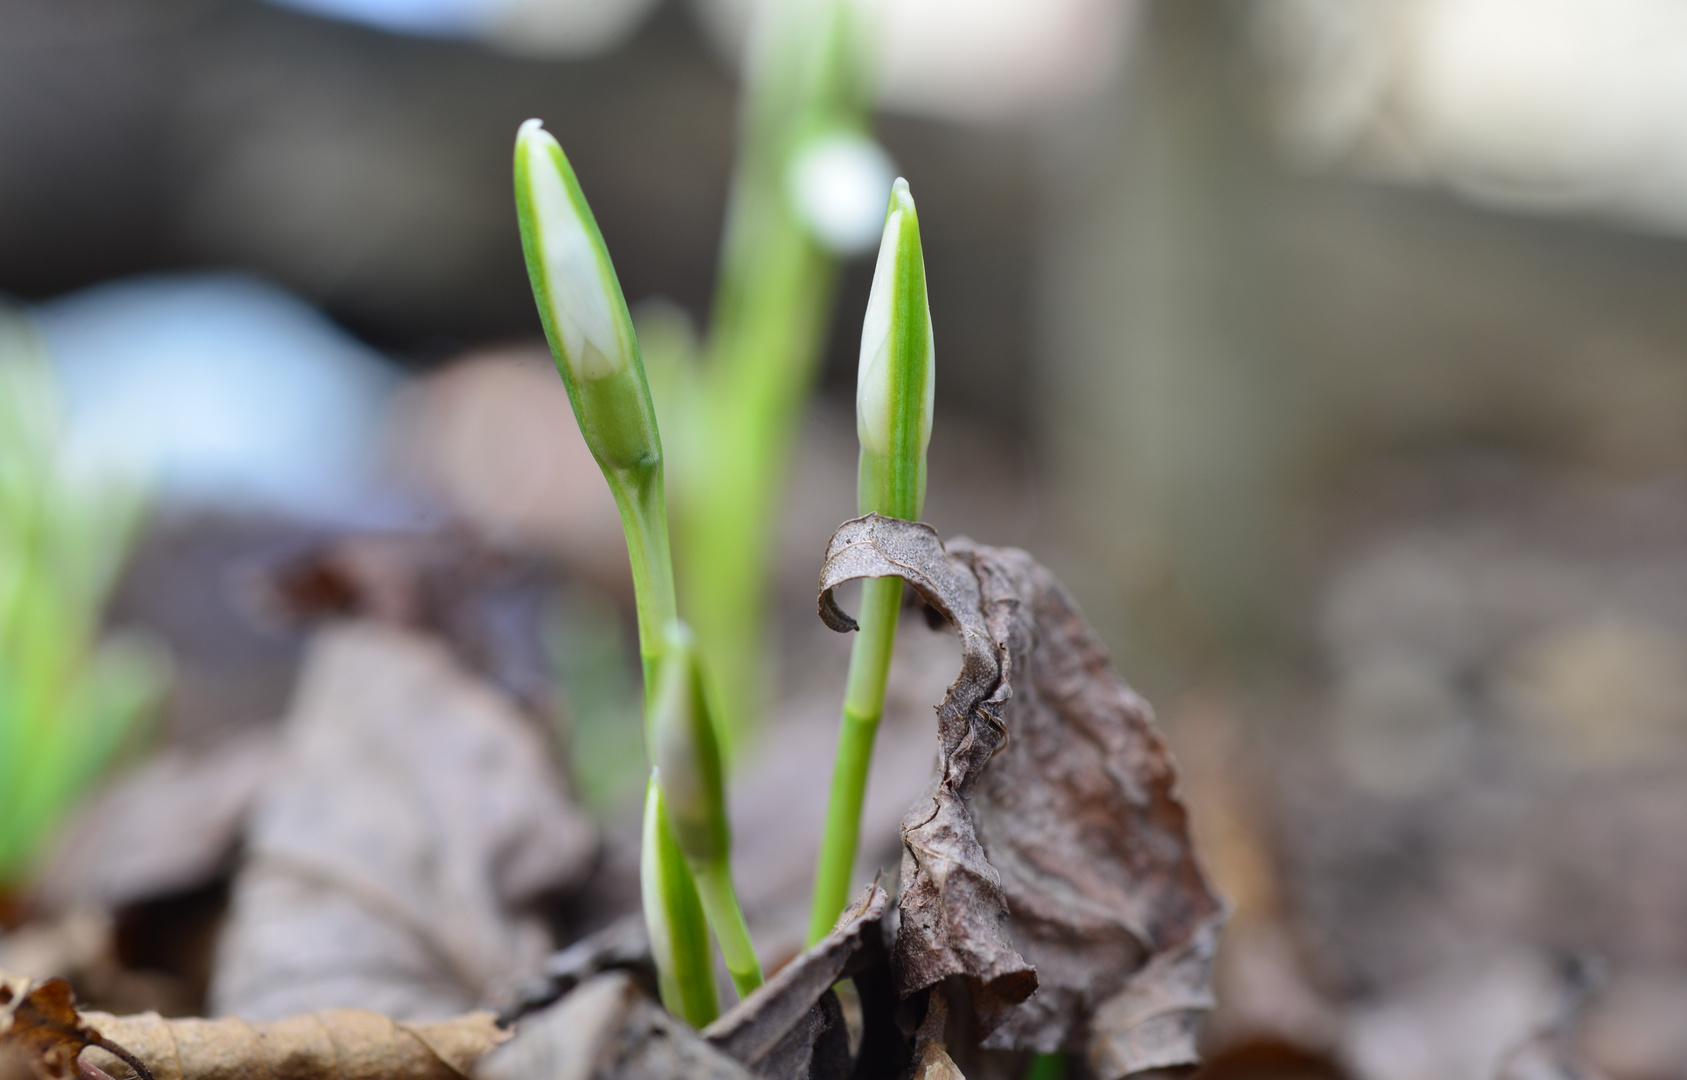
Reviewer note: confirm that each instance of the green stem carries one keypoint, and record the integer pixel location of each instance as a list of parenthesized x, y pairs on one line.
[(772, 305), (765, 348), (644, 518), (687, 982), (1047, 1067), (864, 696), (720, 903)]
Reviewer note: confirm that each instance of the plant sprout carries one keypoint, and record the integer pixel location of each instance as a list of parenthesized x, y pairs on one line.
[(68, 701), (673, 915), (688, 764), (895, 385), (805, 92), (596, 351), (737, 415)]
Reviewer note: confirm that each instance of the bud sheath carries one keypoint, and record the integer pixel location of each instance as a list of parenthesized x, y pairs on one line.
[(684, 742), (686, 752)]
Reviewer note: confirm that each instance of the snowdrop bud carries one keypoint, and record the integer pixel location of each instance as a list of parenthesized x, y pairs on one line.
[(686, 753), (896, 382), (581, 306)]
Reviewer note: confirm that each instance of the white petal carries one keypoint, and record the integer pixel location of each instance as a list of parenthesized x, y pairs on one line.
[(872, 384), (580, 290)]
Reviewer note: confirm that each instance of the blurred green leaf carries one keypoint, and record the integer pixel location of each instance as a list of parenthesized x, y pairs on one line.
[(69, 702)]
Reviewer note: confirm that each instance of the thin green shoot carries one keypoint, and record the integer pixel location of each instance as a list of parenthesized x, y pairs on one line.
[(673, 915), (767, 328), (895, 388), (596, 351), (688, 766)]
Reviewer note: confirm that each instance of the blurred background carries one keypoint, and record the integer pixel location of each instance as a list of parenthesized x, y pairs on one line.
[(1332, 351)]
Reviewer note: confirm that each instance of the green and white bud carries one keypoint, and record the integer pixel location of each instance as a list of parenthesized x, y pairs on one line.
[(685, 746), (581, 306), (673, 917), (897, 380), (686, 752)]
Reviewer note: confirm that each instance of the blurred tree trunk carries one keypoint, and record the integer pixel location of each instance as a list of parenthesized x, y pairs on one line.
[(1161, 406)]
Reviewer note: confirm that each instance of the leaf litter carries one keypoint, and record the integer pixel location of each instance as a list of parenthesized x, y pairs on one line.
[(791, 1028), (1050, 866), (780, 1028)]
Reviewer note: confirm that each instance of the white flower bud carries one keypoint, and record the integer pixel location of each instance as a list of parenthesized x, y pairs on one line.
[(579, 282), (897, 379)]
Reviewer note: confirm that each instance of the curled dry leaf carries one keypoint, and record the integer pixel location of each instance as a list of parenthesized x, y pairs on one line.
[(41, 1030), (334, 1044), (954, 914), (775, 1030), (1051, 853)]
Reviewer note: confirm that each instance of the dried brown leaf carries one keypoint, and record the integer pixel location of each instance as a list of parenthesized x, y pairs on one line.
[(333, 1044), (41, 1032), (931, 1054), (954, 913), (41, 1028), (607, 1029), (773, 1031), (171, 825), (397, 861), (1066, 865)]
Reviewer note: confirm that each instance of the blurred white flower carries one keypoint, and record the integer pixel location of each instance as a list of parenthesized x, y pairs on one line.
[(839, 183)]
